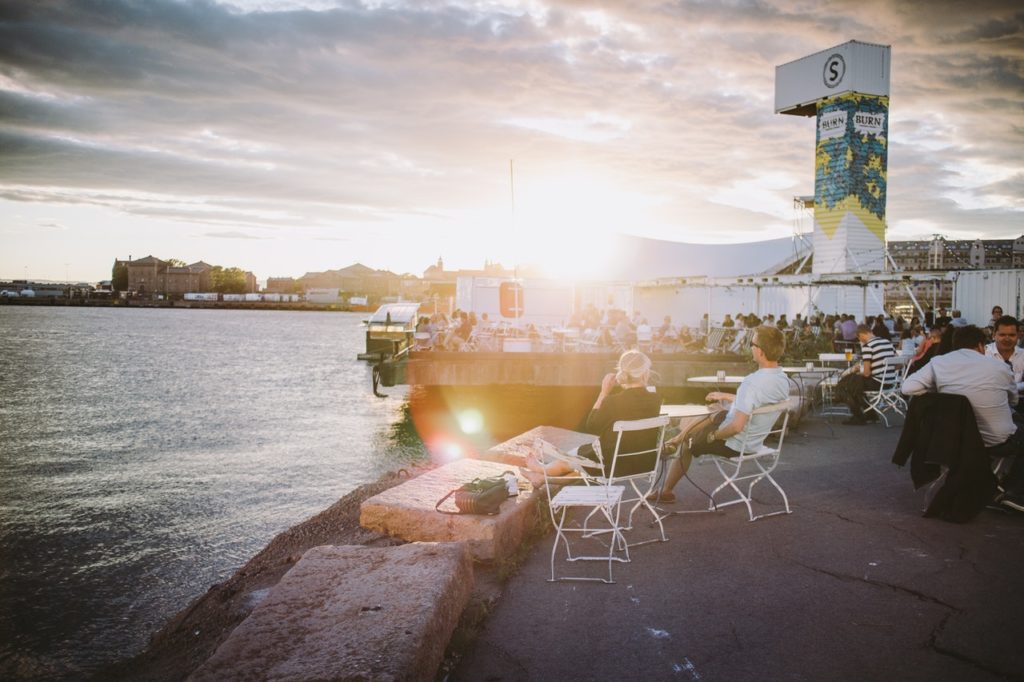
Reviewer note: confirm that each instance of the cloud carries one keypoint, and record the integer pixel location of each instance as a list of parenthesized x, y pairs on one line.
[(232, 234), (404, 115)]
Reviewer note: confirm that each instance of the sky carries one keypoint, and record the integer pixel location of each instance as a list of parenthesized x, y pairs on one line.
[(288, 136)]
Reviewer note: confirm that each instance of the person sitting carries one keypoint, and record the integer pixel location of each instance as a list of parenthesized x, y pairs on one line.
[(633, 401), (907, 345), (738, 428), (728, 322), (1004, 348), (873, 373), (989, 385)]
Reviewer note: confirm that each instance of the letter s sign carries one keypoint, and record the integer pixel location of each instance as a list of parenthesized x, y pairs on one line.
[(835, 69)]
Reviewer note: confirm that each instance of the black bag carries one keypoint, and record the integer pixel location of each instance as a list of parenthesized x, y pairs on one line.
[(479, 496)]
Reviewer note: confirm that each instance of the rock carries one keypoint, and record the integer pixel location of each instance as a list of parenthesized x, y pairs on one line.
[(351, 613), (407, 511), (515, 450)]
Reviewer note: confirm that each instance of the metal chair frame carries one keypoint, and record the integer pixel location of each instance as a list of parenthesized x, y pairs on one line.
[(641, 485), (604, 496), (764, 460), (888, 397), (606, 500)]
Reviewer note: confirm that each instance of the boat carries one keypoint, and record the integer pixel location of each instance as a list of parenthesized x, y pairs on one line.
[(390, 330)]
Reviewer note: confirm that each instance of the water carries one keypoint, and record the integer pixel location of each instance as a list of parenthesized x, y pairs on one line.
[(146, 454)]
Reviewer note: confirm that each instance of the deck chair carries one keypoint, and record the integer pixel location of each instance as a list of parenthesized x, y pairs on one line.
[(753, 466), (741, 341), (714, 339), (887, 398)]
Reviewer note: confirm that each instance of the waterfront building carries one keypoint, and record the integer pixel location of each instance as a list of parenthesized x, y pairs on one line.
[(154, 276)]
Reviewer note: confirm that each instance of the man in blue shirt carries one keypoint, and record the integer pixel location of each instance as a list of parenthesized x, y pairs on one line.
[(741, 429)]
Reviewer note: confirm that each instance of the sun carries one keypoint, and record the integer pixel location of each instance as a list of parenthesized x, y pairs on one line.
[(564, 224)]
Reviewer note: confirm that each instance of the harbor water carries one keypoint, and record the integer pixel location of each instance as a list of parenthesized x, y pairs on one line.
[(146, 454)]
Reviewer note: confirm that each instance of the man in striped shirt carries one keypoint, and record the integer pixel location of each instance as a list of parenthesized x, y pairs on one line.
[(873, 373)]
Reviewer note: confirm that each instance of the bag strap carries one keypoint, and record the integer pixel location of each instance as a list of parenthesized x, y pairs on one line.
[(437, 507)]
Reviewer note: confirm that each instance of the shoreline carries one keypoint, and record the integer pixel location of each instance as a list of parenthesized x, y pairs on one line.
[(179, 305), (193, 634)]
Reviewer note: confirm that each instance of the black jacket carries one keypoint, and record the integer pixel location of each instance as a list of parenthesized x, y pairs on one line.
[(941, 431), (632, 403)]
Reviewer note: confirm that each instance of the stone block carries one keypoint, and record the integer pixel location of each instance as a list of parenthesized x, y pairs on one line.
[(514, 450), (407, 511), (351, 613)]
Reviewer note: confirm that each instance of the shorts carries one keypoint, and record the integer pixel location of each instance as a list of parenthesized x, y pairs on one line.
[(699, 444)]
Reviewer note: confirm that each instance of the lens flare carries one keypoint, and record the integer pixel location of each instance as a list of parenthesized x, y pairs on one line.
[(471, 421)]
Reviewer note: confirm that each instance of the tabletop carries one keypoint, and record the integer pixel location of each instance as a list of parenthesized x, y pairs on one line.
[(730, 379), (688, 410)]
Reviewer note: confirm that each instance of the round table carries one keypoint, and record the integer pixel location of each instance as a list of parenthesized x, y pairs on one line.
[(688, 410), (730, 379)]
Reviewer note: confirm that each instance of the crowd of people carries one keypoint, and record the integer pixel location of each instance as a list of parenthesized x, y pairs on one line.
[(615, 330), (984, 365)]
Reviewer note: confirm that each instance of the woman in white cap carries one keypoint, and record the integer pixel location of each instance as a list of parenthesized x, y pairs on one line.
[(635, 400)]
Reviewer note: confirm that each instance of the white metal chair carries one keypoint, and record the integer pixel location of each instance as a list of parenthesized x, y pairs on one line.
[(603, 495), (753, 466), (888, 397), (605, 500), (642, 483)]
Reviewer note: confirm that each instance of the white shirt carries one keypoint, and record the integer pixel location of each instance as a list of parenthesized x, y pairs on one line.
[(766, 386), (986, 382), (1017, 360)]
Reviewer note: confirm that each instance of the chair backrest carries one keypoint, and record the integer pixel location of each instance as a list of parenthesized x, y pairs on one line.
[(637, 458), (777, 428), (714, 339), (893, 370)]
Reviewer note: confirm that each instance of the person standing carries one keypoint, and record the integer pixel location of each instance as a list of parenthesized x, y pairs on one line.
[(997, 312)]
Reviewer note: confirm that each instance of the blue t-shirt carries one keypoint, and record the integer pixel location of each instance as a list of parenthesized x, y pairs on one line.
[(764, 387)]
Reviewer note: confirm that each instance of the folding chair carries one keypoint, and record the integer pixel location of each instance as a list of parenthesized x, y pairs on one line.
[(752, 466), (888, 397), (641, 484), (605, 500), (604, 495)]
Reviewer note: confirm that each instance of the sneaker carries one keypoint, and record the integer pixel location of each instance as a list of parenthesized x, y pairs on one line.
[(1013, 501), (854, 421)]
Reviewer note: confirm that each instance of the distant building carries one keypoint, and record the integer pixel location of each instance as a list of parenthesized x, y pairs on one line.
[(944, 254), (281, 285), (151, 275), (355, 280)]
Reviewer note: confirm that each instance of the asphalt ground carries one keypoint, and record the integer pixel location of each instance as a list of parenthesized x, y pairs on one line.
[(855, 584)]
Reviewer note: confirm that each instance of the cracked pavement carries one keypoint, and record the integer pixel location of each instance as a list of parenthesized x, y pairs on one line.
[(855, 584)]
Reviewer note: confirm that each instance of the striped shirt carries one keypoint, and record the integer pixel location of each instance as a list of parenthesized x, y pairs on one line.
[(875, 351)]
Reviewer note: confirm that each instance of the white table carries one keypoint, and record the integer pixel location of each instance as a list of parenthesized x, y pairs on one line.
[(688, 410), (836, 357), (728, 380)]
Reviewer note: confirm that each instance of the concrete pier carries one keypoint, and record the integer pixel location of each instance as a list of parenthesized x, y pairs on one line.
[(545, 369)]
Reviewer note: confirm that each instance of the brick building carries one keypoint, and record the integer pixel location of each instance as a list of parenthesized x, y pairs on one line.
[(151, 275)]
